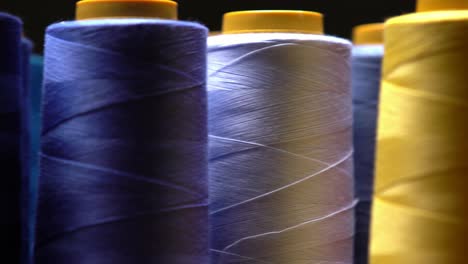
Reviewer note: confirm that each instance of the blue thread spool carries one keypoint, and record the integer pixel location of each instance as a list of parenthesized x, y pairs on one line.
[(124, 141), (26, 155), (366, 67), (10, 84), (37, 71)]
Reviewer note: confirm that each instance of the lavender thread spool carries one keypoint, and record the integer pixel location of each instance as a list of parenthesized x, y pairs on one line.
[(280, 124)]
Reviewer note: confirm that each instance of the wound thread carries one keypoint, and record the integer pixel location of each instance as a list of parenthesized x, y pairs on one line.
[(420, 210), (124, 142), (26, 153), (366, 73), (366, 68), (10, 85), (280, 124), (35, 94)]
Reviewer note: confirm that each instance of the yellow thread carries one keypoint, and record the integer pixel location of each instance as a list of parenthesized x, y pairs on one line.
[(411, 237), (417, 212), (420, 212)]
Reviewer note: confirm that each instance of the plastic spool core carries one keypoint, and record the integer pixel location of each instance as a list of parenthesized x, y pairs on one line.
[(214, 33), (93, 9), (369, 34), (439, 5), (273, 21)]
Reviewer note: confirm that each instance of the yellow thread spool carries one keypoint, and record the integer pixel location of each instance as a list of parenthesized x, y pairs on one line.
[(93, 9), (273, 21), (368, 34), (420, 212)]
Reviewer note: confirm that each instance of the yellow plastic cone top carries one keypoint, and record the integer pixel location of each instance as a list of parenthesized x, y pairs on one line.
[(273, 21), (94, 9), (368, 34), (215, 33), (436, 5)]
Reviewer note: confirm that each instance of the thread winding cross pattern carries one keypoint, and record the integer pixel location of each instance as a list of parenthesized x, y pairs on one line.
[(280, 125), (124, 144), (420, 211)]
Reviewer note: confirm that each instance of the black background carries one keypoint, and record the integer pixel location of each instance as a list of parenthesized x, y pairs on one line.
[(340, 15)]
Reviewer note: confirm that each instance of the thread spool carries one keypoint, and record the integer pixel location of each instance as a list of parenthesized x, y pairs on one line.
[(124, 141), (366, 68), (10, 83), (36, 77), (420, 209), (25, 153), (280, 120)]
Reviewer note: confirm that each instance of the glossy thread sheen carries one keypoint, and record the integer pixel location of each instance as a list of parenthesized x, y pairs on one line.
[(420, 209), (280, 124), (10, 85), (366, 64), (124, 141)]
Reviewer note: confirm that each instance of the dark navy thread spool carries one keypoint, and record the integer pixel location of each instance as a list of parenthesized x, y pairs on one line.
[(366, 71), (124, 138), (10, 85), (280, 125), (26, 151)]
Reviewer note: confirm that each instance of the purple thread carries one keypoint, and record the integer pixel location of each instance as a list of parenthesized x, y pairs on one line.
[(124, 144)]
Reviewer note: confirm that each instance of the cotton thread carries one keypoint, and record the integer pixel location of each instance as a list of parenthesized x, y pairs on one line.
[(10, 85), (37, 70), (124, 142), (26, 154), (366, 72), (420, 210), (280, 122)]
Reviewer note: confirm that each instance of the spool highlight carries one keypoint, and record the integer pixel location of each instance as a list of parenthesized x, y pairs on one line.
[(280, 118), (420, 210), (124, 143), (366, 73)]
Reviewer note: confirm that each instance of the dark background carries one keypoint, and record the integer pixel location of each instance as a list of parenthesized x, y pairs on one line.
[(340, 15)]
